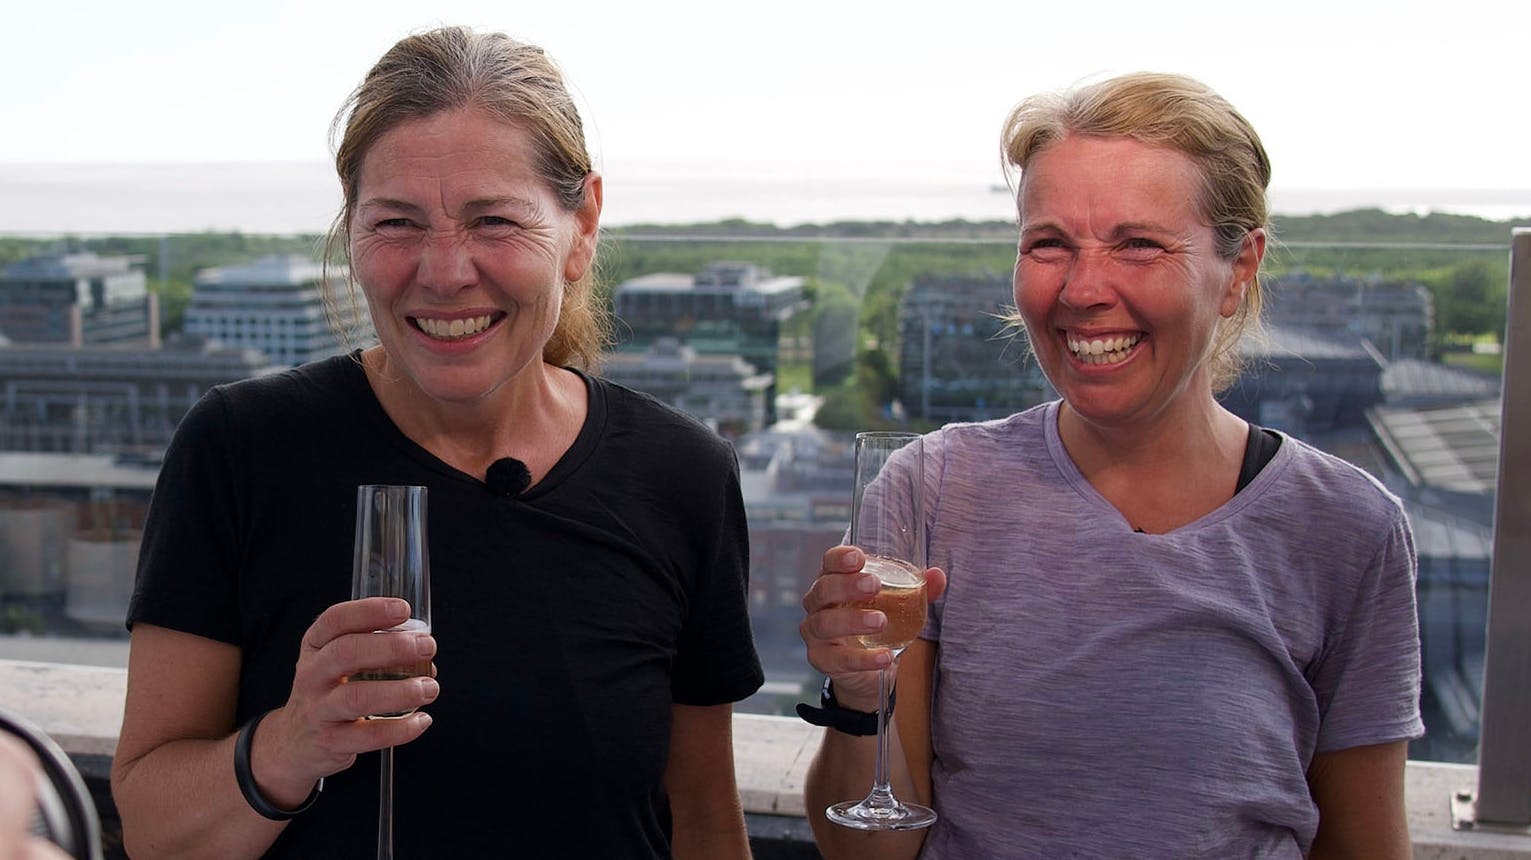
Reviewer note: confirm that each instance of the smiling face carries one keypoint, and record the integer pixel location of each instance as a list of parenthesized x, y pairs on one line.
[(1118, 280), (462, 252)]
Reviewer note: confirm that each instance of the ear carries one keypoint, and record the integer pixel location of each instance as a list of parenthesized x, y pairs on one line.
[(587, 231), (1245, 267)]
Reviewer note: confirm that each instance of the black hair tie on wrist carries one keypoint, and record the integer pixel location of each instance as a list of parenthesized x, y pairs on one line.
[(831, 714), (246, 779)]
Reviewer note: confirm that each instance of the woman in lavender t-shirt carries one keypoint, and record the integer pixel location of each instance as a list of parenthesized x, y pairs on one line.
[(1158, 630)]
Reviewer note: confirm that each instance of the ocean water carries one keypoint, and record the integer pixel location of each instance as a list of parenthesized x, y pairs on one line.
[(286, 198)]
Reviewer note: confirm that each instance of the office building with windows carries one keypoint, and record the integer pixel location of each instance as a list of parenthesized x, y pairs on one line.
[(274, 305), (722, 391), (725, 309), (108, 399), (956, 360), (1396, 318), (80, 299)]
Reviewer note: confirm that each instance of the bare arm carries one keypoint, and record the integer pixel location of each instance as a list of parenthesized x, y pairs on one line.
[(1359, 792), (176, 744), (842, 768), (708, 821), (173, 773)]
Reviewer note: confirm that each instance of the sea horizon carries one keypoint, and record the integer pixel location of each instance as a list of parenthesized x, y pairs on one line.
[(290, 198)]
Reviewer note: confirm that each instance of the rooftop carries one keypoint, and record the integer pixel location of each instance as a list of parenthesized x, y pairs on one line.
[(1449, 447), (85, 264), (1288, 341), (279, 270)]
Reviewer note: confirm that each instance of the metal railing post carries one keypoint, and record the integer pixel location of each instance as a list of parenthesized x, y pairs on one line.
[(1504, 752)]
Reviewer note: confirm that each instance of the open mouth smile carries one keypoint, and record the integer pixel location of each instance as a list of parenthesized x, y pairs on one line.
[(1102, 350), (455, 329)]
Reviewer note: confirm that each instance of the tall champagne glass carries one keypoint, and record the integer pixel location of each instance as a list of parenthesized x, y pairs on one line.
[(392, 560), (888, 524)]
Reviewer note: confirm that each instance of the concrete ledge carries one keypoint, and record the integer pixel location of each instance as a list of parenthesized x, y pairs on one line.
[(81, 707)]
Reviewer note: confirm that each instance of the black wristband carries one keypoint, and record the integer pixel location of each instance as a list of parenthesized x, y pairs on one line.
[(831, 714), (246, 778)]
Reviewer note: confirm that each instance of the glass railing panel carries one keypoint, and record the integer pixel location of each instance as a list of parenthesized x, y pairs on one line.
[(1383, 347)]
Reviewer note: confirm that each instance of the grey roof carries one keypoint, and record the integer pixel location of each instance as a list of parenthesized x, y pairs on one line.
[(68, 267), (279, 270), (1288, 341), (668, 282), (1450, 447), (1410, 378)]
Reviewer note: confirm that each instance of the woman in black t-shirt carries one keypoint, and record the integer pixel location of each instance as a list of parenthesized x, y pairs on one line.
[(589, 548)]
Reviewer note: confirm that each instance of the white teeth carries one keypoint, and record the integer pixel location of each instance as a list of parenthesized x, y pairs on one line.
[(453, 329), (1108, 350)]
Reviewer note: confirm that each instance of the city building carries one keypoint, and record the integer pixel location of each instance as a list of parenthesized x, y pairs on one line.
[(1452, 591), (1304, 383), (957, 361), (797, 494), (1412, 382), (79, 299), (1396, 318), (722, 391), (274, 305), (725, 309), (105, 399)]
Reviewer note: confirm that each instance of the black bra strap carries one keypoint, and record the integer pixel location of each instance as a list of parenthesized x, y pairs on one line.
[(1259, 450)]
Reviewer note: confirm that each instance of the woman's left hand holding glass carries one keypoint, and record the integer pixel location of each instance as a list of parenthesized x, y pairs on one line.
[(322, 728)]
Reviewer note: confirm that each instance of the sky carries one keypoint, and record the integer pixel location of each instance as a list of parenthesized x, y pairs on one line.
[(1345, 93)]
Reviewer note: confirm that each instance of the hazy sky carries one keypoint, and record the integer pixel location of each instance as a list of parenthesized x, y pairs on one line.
[(1392, 94)]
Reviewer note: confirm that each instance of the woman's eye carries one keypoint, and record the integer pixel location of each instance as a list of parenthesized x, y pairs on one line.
[(496, 221), (1139, 248), (392, 223), (1046, 249)]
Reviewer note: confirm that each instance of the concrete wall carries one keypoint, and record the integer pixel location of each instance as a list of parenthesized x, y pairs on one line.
[(81, 707)]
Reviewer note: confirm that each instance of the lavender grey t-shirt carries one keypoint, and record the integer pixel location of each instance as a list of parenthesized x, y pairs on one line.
[(1105, 693)]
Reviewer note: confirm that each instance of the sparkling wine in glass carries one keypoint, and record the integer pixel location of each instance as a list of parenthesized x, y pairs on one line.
[(392, 560), (888, 524)]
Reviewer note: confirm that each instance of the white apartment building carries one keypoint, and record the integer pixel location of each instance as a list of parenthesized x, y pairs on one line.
[(723, 391), (274, 305)]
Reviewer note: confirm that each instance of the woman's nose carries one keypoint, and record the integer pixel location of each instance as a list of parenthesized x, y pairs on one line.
[(446, 262), (1088, 282)]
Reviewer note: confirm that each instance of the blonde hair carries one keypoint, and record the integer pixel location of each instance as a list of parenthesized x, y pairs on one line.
[(1185, 115), (514, 82)]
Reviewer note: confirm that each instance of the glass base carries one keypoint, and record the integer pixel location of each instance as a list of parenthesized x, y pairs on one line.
[(863, 816)]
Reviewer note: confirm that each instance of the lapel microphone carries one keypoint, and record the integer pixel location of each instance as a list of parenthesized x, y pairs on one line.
[(507, 477)]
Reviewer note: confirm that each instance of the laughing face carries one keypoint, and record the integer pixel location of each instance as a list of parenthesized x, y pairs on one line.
[(1118, 280), (462, 252)]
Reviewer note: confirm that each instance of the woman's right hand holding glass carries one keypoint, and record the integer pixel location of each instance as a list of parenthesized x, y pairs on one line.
[(836, 616), (322, 728)]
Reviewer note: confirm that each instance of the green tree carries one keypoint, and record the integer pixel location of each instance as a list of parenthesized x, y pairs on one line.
[(1471, 302), (835, 316)]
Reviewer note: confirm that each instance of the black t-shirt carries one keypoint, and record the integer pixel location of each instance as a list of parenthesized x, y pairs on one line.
[(568, 619)]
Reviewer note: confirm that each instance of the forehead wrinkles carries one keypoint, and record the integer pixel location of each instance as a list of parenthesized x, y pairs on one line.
[(433, 183), (1110, 201)]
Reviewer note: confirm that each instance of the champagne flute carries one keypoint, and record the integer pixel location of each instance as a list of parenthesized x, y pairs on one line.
[(391, 560), (888, 524)]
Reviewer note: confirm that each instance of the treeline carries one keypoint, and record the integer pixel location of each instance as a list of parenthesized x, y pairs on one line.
[(865, 265)]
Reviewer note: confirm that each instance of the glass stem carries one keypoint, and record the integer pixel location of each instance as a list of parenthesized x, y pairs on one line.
[(882, 791), (385, 806)]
